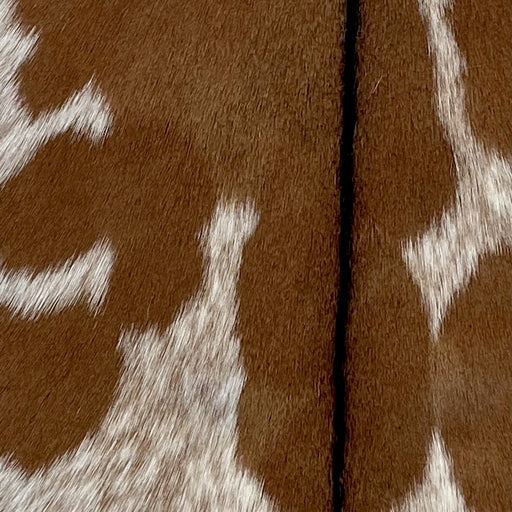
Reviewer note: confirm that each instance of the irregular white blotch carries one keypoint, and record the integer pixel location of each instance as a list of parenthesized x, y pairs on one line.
[(438, 492), (21, 136), (443, 260), (31, 295), (85, 113), (168, 443)]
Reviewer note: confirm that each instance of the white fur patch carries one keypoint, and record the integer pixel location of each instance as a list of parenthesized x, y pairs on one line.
[(168, 442), (438, 492), (85, 112), (21, 136), (443, 260), (31, 295)]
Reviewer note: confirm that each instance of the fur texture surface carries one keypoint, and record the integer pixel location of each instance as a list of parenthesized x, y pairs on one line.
[(86, 113), (123, 125), (144, 366), (438, 490), (168, 442), (428, 374), (443, 260)]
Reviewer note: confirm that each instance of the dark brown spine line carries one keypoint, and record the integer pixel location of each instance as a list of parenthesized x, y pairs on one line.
[(346, 174)]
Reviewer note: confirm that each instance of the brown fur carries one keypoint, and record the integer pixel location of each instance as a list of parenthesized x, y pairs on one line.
[(209, 98), (398, 381)]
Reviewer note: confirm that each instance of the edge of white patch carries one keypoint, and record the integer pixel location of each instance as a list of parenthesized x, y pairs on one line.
[(168, 442), (443, 260), (438, 492), (85, 113), (32, 295)]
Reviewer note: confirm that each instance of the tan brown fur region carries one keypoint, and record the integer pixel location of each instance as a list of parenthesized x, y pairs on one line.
[(428, 372), (209, 163)]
